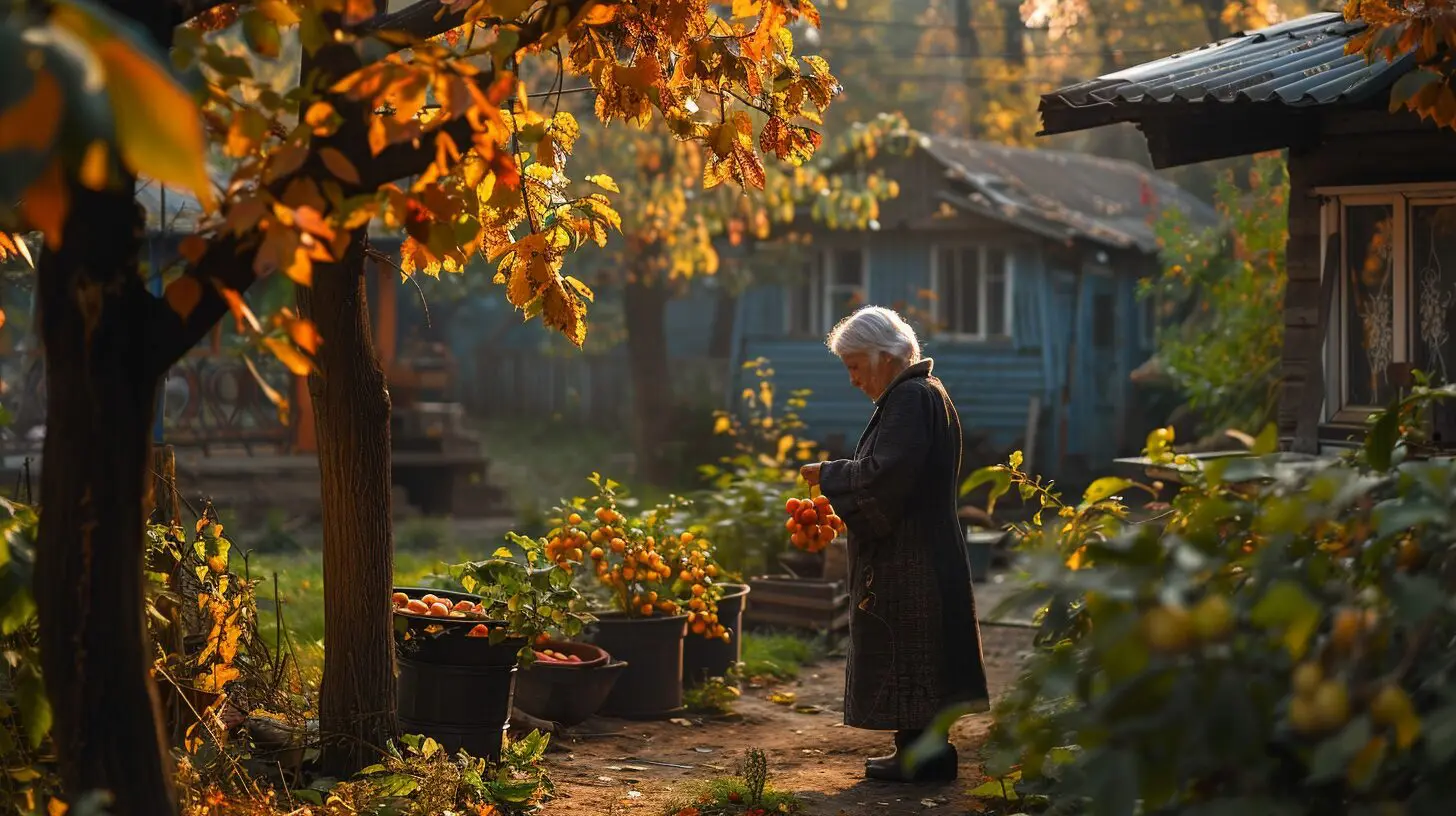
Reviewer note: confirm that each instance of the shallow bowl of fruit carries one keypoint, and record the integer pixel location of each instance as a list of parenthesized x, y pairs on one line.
[(567, 683), (442, 626)]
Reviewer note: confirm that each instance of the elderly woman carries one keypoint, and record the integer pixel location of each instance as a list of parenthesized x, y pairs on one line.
[(914, 642)]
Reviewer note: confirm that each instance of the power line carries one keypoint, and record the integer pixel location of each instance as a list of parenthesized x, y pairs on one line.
[(850, 52), (866, 22)]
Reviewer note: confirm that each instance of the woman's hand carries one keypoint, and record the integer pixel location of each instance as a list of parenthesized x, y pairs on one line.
[(810, 473)]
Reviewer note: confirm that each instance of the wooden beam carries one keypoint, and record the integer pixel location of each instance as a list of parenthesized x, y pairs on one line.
[(1311, 400), (387, 330)]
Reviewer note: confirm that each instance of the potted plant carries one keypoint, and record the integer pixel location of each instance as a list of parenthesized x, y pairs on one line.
[(654, 585), (458, 651)]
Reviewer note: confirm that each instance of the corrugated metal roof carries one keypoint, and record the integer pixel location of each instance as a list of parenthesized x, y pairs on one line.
[(1299, 63), (1059, 194)]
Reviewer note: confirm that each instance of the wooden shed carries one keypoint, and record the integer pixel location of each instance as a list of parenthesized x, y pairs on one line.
[(1371, 255)]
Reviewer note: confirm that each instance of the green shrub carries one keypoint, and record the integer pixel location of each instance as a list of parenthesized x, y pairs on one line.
[(1276, 640)]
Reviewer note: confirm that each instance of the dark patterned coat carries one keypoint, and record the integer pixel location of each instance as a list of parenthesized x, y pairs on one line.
[(914, 642)]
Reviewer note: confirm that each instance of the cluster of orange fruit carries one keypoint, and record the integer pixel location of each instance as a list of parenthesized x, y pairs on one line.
[(812, 523), (647, 574), (433, 606)]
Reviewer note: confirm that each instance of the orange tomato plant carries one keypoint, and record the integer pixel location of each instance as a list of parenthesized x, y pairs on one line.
[(812, 523), (645, 564)]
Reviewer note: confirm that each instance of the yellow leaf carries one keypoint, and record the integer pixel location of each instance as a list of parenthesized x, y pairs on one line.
[(722, 425), (158, 125), (289, 356), (605, 182), (269, 391), (339, 165), (305, 335), (183, 295)]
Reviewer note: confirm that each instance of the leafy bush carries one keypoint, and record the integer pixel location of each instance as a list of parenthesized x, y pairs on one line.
[(744, 504), (1276, 640), (1227, 285)]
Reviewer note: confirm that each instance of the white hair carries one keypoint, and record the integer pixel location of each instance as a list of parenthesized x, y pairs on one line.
[(874, 330)]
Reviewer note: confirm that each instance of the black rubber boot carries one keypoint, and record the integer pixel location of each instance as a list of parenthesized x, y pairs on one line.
[(942, 766)]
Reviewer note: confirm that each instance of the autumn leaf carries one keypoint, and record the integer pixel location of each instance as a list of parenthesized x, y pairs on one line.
[(304, 334), (46, 203), (158, 126), (269, 391), (605, 182), (183, 295), (291, 357), (339, 165), (31, 123)]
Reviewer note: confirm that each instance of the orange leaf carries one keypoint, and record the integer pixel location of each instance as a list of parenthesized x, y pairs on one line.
[(45, 203), (193, 247), (289, 356), (183, 295), (339, 165), (240, 309), (95, 166), (305, 335), (31, 124)]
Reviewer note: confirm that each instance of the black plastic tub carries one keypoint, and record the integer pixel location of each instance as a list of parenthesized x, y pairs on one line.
[(443, 641), (704, 658), (461, 707), (650, 687), (567, 694)]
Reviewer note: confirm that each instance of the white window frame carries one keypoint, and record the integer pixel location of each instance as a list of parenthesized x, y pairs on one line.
[(937, 274), (1401, 199), (812, 287), (823, 289)]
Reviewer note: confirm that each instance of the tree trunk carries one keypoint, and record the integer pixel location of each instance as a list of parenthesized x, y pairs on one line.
[(351, 415), (88, 577), (645, 302)]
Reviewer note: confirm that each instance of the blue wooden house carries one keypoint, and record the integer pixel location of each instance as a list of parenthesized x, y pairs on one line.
[(1019, 268)]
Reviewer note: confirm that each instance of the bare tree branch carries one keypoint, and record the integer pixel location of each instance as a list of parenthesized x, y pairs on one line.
[(227, 263), (422, 20)]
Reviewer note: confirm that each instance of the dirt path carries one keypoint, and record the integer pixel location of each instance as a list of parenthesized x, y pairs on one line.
[(610, 767)]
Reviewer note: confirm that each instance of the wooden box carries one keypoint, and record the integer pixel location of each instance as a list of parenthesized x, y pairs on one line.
[(785, 602)]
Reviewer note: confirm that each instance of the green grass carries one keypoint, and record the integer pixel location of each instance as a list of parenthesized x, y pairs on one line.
[(301, 591), (780, 656)]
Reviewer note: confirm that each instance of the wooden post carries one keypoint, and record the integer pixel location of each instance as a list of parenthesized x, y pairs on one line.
[(166, 503), (387, 330)]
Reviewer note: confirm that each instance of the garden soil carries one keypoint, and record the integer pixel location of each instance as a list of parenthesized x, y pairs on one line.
[(610, 767)]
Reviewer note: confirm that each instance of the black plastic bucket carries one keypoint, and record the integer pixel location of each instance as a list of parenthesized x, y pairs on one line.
[(460, 707), (704, 658), (448, 644), (651, 685)]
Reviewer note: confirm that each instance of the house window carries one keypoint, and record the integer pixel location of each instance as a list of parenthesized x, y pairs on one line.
[(1394, 301), (973, 291), (833, 285)]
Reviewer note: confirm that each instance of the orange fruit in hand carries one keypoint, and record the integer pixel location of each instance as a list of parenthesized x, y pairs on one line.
[(792, 506), (808, 516), (821, 500)]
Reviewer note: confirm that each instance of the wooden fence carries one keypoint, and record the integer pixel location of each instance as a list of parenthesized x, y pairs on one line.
[(592, 390)]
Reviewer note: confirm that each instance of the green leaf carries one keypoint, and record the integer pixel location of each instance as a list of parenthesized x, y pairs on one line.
[(1382, 438), (35, 707), (1004, 788), (1416, 597), (1105, 488), (1396, 515), (1440, 734), (995, 475), (1287, 606), (1333, 755), (397, 784), (1267, 442)]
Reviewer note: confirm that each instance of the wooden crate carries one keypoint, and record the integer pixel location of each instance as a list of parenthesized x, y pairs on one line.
[(784, 602)]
